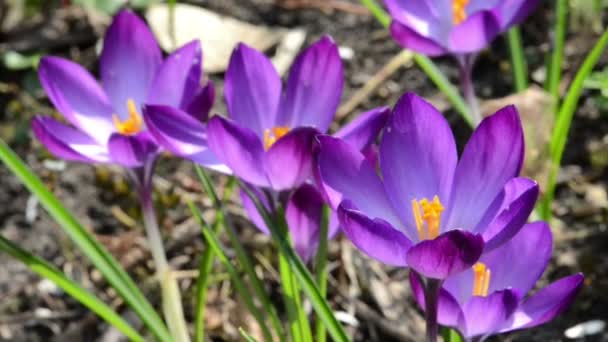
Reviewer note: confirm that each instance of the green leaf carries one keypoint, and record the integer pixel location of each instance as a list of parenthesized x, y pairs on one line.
[(246, 336), (321, 269), (116, 276), (555, 63), (564, 119), (72, 288), (450, 335), (242, 290), (518, 60), (307, 283)]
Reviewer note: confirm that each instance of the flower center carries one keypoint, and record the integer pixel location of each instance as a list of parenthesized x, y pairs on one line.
[(458, 12), (133, 124), (428, 212), (481, 279), (272, 135)]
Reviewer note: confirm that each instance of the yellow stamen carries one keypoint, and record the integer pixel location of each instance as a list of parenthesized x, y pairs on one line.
[(272, 135), (133, 124), (481, 279), (427, 212), (458, 11)]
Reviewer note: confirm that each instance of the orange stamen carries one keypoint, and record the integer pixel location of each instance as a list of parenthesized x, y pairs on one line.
[(481, 279), (427, 212), (458, 11), (133, 124), (272, 135)]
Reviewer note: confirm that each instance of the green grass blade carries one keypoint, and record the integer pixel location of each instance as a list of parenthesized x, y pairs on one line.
[(431, 70), (116, 276), (307, 283), (241, 254), (321, 270), (246, 336), (290, 294), (563, 122), (555, 63), (518, 60), (72, 288), (242, 290)]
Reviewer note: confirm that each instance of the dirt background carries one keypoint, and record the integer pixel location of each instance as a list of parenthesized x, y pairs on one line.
[(373, 299)]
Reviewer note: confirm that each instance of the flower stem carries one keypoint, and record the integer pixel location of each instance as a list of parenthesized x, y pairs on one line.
[(468, 89), (431, 296), (171, 297)]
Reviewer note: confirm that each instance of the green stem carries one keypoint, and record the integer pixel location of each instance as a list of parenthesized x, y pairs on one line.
[(321, 270), (171, 297), (518, 60)]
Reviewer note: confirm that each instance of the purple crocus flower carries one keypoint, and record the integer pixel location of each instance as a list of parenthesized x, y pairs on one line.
[(268, 138), (458, 27), (488, 298), (430, 211), (107, 120)]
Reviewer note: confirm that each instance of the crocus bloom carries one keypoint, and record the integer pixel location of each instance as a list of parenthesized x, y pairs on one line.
[(268, 138), (430, 211), (488, 298), (107, 120), (458, 27)]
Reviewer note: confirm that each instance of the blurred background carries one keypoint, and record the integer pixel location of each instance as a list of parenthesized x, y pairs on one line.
[(373, 300)]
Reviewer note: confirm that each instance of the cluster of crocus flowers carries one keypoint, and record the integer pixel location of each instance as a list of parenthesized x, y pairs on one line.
[(108, 120), (267, 140), (457, 27)]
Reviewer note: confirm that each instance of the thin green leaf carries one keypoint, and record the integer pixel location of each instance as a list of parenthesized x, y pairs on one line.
[(518, 60), (116, 276), (307, 283), (205, 266), (321, 270), (246, 336), (242, 290), (290, 294), (242, 256), (450, 335), (72, 288), (555, 64), (431, 70), (559, 136)]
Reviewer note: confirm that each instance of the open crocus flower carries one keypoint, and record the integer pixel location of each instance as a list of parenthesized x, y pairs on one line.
[(304, 206), (458, 27), (430, 211), (108, 120), (487, 298)]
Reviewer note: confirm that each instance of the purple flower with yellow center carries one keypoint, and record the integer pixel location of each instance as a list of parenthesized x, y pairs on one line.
[(458, 27), (108, 120), (488, 298), (429, 210)]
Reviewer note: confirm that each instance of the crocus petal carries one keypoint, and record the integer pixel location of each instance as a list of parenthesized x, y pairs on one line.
[(516, 204), (289, 160), (417, 156), (345, 173), (493, 156), (77, 96), (474, 33), (303, 214), (66, 142), (132, 150), (129, 61), (313, 88), (450, 253), (252, 89), (376, 237), (201, 102), (487, 315), (182, 135), (250, 209), (547, 303), (238, 148), (178, 78), (513, 12), (431, 19), (448, 309), (364, 130), (408, 38)]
